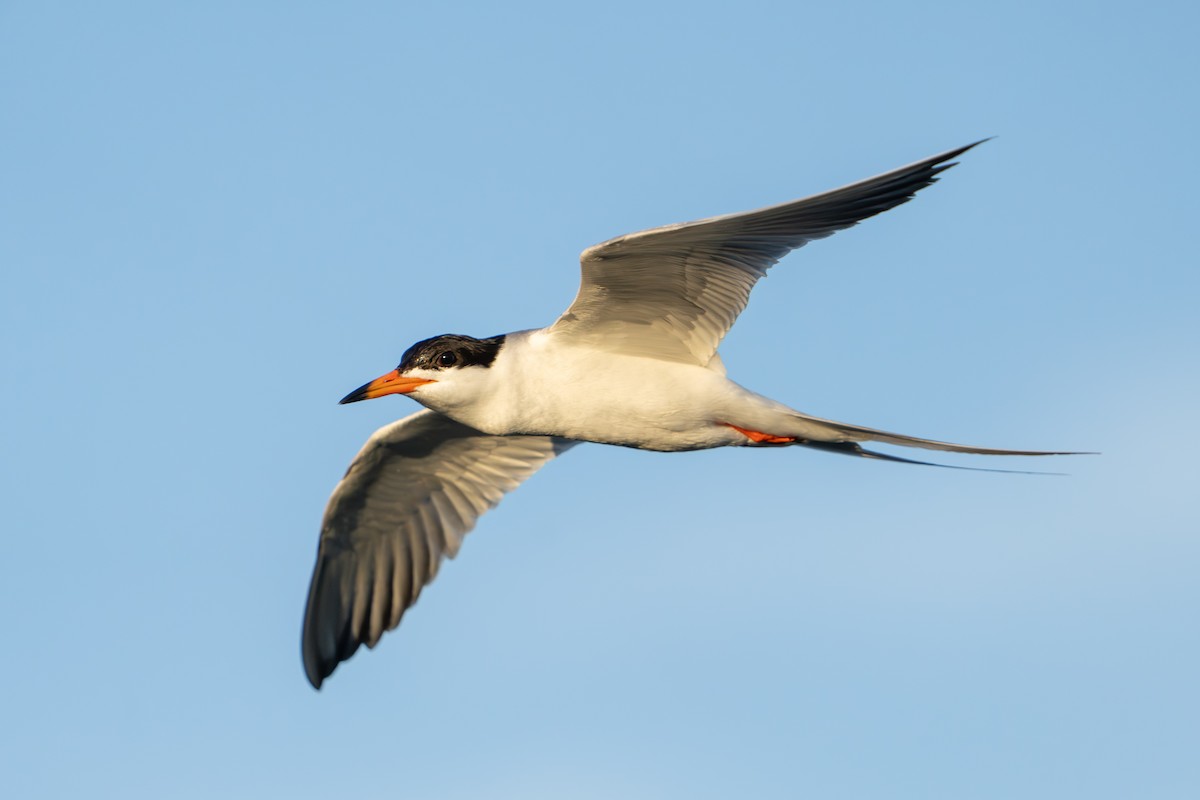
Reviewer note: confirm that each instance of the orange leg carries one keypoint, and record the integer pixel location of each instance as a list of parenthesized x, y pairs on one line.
[(758, 437)]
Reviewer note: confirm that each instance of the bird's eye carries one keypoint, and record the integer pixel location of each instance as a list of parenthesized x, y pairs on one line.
[(446, 359)]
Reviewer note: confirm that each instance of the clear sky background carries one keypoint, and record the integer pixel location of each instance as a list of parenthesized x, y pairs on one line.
[(217, 218)]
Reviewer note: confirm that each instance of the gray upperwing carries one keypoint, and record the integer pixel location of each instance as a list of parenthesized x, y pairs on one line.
[(673, 292)]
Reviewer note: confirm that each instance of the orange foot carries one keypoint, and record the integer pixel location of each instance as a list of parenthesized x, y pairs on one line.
[(758, 437)]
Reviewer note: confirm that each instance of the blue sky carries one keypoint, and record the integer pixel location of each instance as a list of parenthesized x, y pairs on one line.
[(216, 219)]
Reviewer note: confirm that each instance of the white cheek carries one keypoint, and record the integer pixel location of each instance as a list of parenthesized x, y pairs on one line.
[(427, 393), (427, 374), (440, 393), (458, 393)]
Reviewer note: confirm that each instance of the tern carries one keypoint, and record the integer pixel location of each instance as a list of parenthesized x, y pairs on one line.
[(632, 362)]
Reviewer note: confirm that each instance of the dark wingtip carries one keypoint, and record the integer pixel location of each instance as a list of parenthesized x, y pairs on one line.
[(314, 667), (941, 163), (965, 148)]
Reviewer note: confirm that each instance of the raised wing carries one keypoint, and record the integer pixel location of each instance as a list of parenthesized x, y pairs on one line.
[(412, 493), (673, 292)]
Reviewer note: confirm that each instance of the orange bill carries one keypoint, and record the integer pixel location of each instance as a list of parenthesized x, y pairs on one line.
[(392, 383)]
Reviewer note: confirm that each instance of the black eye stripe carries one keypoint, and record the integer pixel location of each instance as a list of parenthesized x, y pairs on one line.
[(464, 351)]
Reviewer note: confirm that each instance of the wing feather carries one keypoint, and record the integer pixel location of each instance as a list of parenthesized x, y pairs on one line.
[(673, 292), (410, 496)]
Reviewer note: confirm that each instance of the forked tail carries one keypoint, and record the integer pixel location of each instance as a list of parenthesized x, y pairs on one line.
[(840, 437)]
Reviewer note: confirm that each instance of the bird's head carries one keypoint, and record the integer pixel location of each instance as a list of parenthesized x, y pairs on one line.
[(440, 372)]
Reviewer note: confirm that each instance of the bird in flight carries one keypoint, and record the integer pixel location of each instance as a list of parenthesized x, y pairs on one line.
[(632, 362)]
